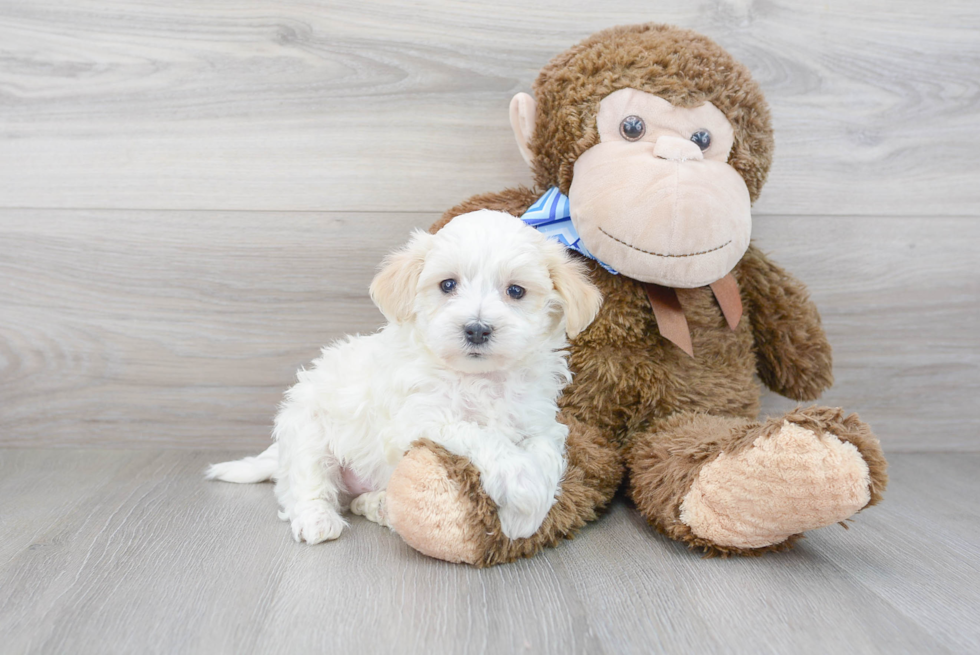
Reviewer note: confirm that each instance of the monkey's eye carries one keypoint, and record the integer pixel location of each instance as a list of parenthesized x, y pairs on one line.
[(632, 128), (515, 292), (448, 286), (702, 138)]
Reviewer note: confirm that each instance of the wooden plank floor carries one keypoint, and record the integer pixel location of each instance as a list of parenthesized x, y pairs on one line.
[(182, 329), (131, 551), (194, 195), (376, 105)]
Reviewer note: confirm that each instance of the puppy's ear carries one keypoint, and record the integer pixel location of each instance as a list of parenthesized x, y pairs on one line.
[(394, 287), (580, 299)]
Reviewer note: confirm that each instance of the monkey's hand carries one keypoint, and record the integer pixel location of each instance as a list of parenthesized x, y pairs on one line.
[(794, 357)]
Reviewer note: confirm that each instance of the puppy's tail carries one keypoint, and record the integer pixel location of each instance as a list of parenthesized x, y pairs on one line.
[(250, 469)]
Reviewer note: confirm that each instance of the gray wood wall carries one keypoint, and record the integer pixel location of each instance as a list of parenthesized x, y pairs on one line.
[(194, 194)]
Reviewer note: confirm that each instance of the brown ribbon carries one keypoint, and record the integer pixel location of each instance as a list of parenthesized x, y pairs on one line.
[(727, 295), (670, 315)]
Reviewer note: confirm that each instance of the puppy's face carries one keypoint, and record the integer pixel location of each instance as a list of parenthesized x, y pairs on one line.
[(486, 291)]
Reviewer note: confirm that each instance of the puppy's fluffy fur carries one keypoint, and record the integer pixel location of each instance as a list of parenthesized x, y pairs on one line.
[(489, 395)]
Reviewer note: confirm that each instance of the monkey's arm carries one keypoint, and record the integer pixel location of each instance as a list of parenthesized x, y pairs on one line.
[(794, 357), (513, 201)]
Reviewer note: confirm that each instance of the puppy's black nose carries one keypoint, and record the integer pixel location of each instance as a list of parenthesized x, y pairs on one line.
[(477, 333)]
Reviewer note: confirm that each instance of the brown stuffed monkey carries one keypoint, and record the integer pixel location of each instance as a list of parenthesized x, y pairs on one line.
[(661, 142)]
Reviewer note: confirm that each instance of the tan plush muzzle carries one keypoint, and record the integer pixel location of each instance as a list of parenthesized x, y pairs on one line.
[(655, 206), (680, 222)]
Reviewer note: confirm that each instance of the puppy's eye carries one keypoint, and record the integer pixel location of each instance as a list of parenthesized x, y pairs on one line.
[(448, 286), (632, 128), (702, 138), (515, 292)]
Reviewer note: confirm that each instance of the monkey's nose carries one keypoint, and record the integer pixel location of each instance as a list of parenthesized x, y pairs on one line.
[(674, 148), (477, 333)]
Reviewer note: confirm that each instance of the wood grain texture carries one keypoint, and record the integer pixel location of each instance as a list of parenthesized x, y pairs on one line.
[(338, 126), (174, 328), (900, 301), (182, 329), (151, 558), (341, 105)]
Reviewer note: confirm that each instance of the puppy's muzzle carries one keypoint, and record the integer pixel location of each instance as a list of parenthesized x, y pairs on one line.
[(477, 333)]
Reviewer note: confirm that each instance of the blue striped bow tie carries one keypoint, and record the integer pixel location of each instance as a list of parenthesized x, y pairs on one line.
[(551, 216)]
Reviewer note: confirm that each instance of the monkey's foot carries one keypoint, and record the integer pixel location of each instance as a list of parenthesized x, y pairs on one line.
[(427, 507), (436, 502), (794, 477)]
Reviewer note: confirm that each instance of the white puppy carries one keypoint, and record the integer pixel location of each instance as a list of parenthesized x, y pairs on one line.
[(472, 358)]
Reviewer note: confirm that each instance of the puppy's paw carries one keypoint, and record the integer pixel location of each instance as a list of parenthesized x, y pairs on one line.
[(316, 521), (372, 507), (518, 524), (523, 504)]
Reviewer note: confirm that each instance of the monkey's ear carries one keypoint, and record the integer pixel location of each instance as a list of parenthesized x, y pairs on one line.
[(395, 286), (522, 112), (580, 299)]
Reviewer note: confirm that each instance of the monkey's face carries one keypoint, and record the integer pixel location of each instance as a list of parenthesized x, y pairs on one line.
[(655, 198)]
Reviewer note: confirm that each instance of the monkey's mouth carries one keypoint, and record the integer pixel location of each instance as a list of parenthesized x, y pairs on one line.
[(658, 254)]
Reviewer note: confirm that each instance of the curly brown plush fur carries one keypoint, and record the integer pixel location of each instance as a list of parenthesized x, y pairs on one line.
[(592, 477), (681, 66), (637, 387), (666, 461), (636, 398)]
